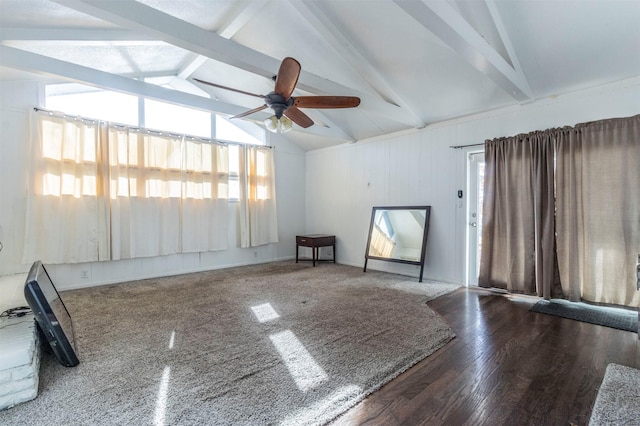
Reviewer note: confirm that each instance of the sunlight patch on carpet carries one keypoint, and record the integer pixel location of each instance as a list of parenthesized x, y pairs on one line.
[(265, 312), (303, 368), (172, 339), (161, 402)]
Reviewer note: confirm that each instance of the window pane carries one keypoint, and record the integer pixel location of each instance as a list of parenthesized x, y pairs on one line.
[(177, 119), (77, 99), (226, 130)]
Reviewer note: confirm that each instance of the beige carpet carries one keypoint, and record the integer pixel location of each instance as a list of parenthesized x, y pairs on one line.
[(279, 343), (618, 400)]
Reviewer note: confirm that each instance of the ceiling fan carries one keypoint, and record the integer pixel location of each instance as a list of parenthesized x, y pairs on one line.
[(282, 103)]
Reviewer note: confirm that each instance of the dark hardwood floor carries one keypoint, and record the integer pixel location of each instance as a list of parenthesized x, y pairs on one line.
[(507, 366)]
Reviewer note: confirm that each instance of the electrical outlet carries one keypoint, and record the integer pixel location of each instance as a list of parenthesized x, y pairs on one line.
[(84, 274)]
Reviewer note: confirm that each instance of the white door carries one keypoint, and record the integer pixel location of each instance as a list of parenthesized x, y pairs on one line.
[(475, 168)]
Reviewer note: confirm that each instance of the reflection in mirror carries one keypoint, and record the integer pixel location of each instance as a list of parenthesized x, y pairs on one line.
[(398, 234)]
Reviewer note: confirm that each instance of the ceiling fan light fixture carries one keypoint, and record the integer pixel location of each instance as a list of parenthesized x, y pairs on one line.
[(278, 125)]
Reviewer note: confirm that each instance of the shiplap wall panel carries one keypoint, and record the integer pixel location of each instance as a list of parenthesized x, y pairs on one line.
[(14, 130)]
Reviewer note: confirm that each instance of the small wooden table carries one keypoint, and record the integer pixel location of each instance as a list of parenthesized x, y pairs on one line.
[(315, 241)]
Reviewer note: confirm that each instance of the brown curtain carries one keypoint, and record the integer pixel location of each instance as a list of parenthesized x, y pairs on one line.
[(598, 210), (518, 214)]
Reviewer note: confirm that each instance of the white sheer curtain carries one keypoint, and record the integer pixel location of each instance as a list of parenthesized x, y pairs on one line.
[(205, 194), (145, 189), (168, 195), (65, 220), (257, 204), (106, 192)]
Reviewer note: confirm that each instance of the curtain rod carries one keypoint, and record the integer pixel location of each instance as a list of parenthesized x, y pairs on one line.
[(160, 132), (464, 146), (62, 114)]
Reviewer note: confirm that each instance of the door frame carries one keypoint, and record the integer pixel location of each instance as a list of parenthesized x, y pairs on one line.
[(472, 237)]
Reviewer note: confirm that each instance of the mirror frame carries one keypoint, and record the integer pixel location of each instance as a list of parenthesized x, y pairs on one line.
[(423, 250)]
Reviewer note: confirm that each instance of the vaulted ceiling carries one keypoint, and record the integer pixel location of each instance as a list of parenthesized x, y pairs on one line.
[(412, 62)]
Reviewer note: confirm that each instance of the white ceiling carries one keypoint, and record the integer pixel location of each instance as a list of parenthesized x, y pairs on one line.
[(412, 62)]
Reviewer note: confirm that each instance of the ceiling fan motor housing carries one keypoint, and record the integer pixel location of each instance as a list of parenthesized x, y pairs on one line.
[(278, 103)]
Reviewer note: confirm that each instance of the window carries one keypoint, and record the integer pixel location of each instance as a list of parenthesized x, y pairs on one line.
[(69, 167), (152, 194), (144, 164), (86, 101), (158, 191), (239, 131), (78, 99), (177, 119), (230, 131)]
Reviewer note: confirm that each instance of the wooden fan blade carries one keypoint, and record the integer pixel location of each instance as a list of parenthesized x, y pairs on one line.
[(228, 88), (326, 101), (287, 77), (298, 117), (244, 114)]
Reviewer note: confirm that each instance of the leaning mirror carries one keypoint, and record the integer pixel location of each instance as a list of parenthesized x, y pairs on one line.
[(398, 234)]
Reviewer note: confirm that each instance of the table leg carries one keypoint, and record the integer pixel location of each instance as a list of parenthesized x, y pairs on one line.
[(334, 253), (314, 254), (297, 247)]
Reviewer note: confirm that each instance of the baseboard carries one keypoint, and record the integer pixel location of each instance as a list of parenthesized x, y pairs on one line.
[(172, 273)]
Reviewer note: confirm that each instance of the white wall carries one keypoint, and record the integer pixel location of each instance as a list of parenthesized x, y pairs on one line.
[(18, 97), (418, 168)]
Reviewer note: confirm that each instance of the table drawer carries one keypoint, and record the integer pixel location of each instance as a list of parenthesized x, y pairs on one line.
[(316, 241)]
